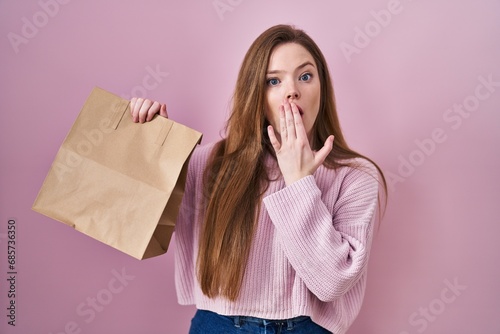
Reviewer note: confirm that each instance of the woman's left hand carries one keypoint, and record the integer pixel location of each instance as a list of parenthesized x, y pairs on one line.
[(295, 157)]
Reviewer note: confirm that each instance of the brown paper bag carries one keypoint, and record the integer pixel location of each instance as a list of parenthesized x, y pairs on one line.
[(118, 181)]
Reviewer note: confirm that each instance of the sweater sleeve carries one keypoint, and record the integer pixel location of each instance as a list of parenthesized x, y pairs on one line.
[(328, 249)]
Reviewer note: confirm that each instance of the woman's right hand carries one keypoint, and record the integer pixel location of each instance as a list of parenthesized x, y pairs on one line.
[(143, 110)]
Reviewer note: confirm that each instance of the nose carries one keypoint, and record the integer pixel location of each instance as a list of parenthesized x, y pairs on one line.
[(292, 92)]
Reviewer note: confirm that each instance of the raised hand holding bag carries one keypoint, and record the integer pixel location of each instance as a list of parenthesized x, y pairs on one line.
[(118, 181)]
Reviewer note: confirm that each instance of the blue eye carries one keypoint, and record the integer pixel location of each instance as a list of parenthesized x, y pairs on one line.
[(305, 77), (273, 82)]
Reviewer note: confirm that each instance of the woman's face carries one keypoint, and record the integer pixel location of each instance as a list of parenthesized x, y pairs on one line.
[(292, 76)]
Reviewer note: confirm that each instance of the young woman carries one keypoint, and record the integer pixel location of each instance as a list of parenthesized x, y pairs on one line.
[(276, 223)]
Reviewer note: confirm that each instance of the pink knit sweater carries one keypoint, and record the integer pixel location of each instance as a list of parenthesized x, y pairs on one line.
[(310, 250)]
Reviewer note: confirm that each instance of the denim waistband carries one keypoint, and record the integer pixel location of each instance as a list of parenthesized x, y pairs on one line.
[(289, 323)]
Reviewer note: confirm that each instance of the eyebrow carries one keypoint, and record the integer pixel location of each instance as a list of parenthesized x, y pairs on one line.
[(298, 68)]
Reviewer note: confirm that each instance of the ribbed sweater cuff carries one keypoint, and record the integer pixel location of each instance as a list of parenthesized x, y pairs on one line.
[(290, 201)]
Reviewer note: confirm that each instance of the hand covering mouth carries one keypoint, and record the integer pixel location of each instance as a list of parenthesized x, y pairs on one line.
[(301, 112)]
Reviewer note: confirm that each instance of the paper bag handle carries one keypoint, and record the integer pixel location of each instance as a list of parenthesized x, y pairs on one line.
[(119, 110), (165, 129)]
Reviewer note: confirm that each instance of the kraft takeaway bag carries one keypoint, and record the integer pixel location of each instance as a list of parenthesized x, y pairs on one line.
[(118, 181)]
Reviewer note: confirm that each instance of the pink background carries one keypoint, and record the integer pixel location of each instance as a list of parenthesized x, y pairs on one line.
[(441, 228)]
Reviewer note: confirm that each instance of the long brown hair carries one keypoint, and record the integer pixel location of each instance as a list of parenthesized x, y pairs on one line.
[(236, 177)]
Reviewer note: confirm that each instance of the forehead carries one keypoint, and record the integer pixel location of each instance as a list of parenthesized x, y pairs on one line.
[(288, 57)]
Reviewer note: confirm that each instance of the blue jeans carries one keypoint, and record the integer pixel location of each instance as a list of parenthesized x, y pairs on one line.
[(207, 322)]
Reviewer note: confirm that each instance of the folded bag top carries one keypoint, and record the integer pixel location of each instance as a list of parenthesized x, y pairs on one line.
[(118, 181)]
